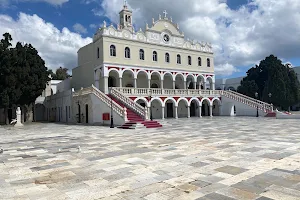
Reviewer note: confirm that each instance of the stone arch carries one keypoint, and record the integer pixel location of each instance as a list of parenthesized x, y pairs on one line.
[(159, 99), (195, 99), (127, 78), (113, 79), (205, 106), (207, 99), (183, 106), (216, 104), (116, 71), (179, 81), (210, 82), (142, 71), (155, 78), (142, 79), (170, 107), (155, 108), (190, 80), (194, 105), (142, 99), (172, 99), (200, 81), (168, 80)]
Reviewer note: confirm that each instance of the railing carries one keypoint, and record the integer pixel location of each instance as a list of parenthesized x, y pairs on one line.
[(247, 100), (140, 110), (104, 98), (165, 92)]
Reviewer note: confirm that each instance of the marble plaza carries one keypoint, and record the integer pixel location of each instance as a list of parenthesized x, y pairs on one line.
[(209, 159)]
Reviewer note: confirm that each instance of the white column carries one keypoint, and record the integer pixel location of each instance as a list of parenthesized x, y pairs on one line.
[(184, 84), (204, 85), (189, 112), (97, 84), (135, 83), (213, 86), (195, 85), (105, 79), (162, 84), (176, 112), (120, 80), (174, 84), (163, 112), (149, 83), (200, 111), (211, 111)]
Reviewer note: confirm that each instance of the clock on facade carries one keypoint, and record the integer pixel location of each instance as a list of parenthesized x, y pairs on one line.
[(166, 38)]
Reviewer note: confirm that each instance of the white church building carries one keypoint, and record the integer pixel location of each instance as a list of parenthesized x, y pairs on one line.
[(138, 76)]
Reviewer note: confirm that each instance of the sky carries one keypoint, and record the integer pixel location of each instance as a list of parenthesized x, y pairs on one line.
[(242, 32)]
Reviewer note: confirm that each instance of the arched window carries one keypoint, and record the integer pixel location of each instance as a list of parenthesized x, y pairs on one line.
[(199, 61), (127, 52), (208, 62), (189, 60), (154, 56), (178, 59), (167, 57), (142, 54), (98, 52), (112, 50)]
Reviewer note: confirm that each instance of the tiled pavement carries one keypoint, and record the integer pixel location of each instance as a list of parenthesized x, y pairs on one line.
[(209, 159)]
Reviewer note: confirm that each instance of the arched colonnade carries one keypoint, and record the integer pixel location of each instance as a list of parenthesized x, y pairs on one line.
[(162, 108), (138, 78)]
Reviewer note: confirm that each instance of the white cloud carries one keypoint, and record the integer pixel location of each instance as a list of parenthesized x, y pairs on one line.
[(240, 37), (79, 28), (56, 47)]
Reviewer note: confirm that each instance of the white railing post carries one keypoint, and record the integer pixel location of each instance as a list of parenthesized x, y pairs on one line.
[(125, 114)]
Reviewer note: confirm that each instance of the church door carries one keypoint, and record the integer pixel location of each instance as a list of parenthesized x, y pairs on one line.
[(170, 110)]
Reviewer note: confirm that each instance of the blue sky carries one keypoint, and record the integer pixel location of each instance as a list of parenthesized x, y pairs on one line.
[(234, 53)]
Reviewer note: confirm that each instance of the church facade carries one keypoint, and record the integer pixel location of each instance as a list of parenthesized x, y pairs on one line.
[(140, 75)]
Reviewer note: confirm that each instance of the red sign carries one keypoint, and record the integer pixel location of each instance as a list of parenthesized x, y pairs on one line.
[(105, 116)]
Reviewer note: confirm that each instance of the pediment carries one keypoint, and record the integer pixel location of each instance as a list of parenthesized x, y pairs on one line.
[(165, 26)]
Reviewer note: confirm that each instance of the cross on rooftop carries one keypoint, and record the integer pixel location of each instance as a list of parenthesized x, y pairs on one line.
[(165, 12)]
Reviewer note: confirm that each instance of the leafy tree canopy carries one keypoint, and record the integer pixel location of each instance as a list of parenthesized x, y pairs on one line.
[(272, 77), (23, 75), (60, 74)]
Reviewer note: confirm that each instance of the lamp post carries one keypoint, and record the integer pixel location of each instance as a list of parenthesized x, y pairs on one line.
[(150, 97), (111, 111), (256, 96)]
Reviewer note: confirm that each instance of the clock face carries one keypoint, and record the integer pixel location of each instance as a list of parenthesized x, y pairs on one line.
[(166, 38)]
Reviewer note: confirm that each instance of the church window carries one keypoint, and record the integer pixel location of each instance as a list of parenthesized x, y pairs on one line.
[(154, 56), (208, 62), (189, 60), (178, 59), (98, 52), (199, 61), (167, 57), (142, 54), (127, 52), (126, 19), (112, 50)]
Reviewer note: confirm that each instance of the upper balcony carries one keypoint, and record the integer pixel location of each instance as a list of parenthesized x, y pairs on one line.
[(145, 92)]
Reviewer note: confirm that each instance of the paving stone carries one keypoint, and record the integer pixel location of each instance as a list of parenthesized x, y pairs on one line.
[(231, 170), (223, 157)]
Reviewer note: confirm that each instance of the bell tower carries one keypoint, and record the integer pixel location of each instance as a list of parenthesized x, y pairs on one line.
[(126, 17)]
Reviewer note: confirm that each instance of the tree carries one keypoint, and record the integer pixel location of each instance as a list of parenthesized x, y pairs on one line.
[(271, 76), (23, 75), (60, 74)]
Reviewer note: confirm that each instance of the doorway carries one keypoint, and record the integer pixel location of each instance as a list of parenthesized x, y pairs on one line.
[(170, 110), (87, 113)]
